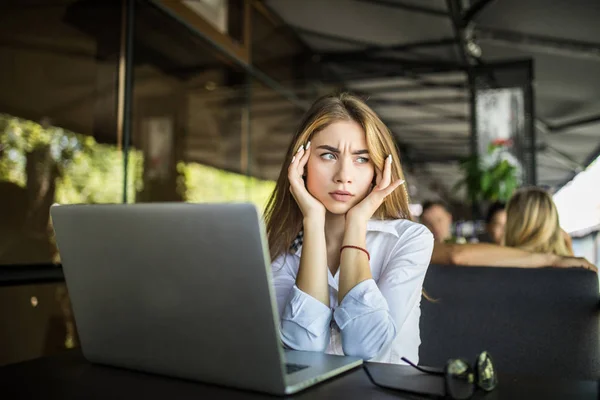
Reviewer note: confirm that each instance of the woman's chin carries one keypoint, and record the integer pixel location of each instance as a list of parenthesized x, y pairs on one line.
[(338, 208)]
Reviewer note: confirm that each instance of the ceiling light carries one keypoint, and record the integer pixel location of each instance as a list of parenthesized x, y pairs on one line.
[(473, 49)]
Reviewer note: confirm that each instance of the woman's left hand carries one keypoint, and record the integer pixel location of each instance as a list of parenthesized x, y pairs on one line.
[(364, 210)]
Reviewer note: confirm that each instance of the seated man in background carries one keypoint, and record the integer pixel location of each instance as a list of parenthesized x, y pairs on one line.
[(438, 220), (533, 238), (495, 222)]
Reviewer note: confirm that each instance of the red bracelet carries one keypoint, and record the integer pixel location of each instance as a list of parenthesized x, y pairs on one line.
[(357, 248)]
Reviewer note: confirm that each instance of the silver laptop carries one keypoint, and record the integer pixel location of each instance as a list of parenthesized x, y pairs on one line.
[(182, 290)]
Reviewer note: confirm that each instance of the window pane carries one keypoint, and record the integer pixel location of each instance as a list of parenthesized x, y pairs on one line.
[(191, 125), (58, 143), (57, 119)]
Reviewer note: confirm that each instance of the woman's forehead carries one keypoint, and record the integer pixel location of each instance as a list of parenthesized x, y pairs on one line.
[(341, 132)]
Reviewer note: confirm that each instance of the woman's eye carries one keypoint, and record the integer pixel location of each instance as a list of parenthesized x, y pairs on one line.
[(331, 156)]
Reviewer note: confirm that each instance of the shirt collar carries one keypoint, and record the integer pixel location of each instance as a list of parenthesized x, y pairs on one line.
[(373, 225), (381, 225)]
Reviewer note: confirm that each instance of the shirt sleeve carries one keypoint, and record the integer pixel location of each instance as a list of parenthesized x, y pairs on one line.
[(372, 313), (304, 320)]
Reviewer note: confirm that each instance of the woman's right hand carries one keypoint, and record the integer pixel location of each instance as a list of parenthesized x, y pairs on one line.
[(310, 207), (574, 262)]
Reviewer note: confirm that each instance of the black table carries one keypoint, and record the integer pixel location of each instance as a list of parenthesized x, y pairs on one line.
[(70, 376)]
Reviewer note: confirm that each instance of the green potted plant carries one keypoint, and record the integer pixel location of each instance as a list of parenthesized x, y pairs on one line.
[(493, 177)]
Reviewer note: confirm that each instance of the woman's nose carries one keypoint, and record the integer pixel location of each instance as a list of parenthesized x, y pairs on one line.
[(344, 173)]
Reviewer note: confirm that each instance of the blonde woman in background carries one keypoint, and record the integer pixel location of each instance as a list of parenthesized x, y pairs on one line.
[(349, 263), (532, 223)]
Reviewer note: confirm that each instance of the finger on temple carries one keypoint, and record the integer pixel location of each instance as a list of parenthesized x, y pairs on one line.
[(305, 157), (302, 162), (387, 174)]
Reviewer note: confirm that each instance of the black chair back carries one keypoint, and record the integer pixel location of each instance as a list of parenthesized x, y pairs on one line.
[(542, 321)]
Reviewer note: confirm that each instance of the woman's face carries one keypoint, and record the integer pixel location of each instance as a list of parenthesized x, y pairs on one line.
[(497, 226), (339, 172)]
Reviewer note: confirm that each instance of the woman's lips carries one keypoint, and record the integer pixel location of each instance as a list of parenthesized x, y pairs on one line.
[(341, 196)]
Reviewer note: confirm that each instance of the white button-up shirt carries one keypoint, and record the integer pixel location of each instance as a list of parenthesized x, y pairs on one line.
[(378, 319)]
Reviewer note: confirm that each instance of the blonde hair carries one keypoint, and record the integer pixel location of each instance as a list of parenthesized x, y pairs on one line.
[(283, 216), (532, 223)]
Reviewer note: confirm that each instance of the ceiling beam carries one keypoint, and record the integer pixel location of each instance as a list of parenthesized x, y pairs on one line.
[(437, 158), (557, 128), (417, 87), (427, 66), (554, 165), (407, 7), (433, 138), (410, 103), (437, 120), (363, 74), (331, 36), (458, 25), (590, 159), (558, 156), (539, 43), (430, 108), (400, 48), (426, 133), (472, 11), (404, 64)]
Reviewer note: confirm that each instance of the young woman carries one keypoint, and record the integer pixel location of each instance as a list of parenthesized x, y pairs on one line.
[(532, 223), (348, 264)]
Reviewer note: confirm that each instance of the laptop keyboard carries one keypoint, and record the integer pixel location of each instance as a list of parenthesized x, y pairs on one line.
[(291, 368)]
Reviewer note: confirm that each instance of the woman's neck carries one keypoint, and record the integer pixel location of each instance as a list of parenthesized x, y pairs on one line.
[(335, 226)]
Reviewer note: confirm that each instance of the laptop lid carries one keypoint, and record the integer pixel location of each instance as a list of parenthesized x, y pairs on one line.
[(173, 288)]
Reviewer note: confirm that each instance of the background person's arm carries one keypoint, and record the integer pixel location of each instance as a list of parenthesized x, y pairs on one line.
[(491, 255)]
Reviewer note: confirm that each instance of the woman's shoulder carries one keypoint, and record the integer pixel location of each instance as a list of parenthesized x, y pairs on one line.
[(411, 242), (402, 228), (285, 262)]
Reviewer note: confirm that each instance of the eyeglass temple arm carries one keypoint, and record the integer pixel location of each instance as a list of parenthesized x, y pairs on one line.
[(419, 368)]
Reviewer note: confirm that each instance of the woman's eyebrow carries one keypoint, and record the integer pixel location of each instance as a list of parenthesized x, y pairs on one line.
[(335, 150)]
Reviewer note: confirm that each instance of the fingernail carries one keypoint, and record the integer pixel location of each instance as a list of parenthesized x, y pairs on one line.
[(300, 149), (401, 182), (307, 145), (293, 158), (389, 159)]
